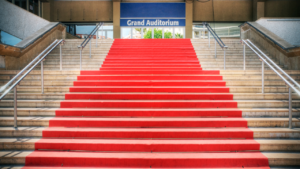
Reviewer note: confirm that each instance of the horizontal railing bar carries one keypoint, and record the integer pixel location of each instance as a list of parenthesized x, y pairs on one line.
[(24, 75), (286, 81)]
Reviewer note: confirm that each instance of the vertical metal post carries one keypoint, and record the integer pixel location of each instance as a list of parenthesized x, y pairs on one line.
[(163, 33), (224, 59), (102, 31), (15, 107), (216, 49), (60, 57), (152, 33), (80, 58), (174, 33), (131, 34), (97, 39), (262, 77), (90, 48), (244, 46), (42, 76), (208, 39), (290, 108), (39, 6), (203, 31), (142, 33)]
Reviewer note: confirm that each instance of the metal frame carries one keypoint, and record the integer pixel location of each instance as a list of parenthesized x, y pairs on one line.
[(22, 74), (290, 82), (88, 39), (217, 40)]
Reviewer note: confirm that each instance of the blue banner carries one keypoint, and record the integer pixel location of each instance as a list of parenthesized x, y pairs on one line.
[(152, 22), (152, 10), (152, 14)]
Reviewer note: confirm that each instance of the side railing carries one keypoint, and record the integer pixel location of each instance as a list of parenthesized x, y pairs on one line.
[(12, 84), (217, 40), (290, 82), (88, 39)]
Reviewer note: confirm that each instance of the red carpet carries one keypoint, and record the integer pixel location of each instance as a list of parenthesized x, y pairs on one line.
[(149, 106)]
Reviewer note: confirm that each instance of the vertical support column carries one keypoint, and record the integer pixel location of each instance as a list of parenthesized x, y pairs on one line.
[(163, 33), (244, 49), (27, 5), (60, 57), (189, 19), (42, 76), (102, 33), (15, 107), (116, 19), (131, 33), (290, 108), (262, 77), (39, 6), (203, 31)]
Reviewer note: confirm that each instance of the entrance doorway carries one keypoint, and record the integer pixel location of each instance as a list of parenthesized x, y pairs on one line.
[(152, 32)]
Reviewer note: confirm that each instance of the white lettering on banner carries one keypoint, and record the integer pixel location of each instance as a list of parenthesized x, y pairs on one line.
[(157, 22)]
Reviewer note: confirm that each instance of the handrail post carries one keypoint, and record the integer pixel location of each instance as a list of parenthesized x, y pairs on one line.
[(97, 39), (224, 58), (91, 48), (290, 108), (244, 46), (42, 76), (262, 77), (216, 49), (15, 108), (80, 59), (208, 39), (60, 57)]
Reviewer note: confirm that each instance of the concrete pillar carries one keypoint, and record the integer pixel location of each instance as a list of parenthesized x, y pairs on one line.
[(260, 9), (255, 10), (27, 5), (189, 19), (116, 19)]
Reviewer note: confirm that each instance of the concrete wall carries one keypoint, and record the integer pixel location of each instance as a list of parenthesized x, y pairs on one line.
[(282, 8), (275, 52), (116, 19), (12, 18), (224, 10), (81, 11), (28, 54)]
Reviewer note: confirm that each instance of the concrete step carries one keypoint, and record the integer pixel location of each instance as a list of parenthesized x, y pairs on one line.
[(240, 103), (147, 122), (21, 144), (246, 112), (258, 133)]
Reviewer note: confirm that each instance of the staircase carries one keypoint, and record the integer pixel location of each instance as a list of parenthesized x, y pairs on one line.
[(150, 104)]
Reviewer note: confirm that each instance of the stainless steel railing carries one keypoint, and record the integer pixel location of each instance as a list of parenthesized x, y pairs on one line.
[(217, 40), (88, 39), (12, 84), (290, 82)]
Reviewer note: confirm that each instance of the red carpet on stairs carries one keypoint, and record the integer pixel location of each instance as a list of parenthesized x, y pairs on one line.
[(150, 105)]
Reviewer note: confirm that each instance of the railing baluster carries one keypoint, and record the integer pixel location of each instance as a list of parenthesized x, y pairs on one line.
[(262, 77), (15, 107), (90, 48), (224, 59), (215, 49), (244, 46), (42, 76), (60, 57), (290, 108)]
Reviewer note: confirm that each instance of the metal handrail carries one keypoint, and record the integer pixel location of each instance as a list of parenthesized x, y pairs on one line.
[(217, 40), (39, 59), (88, 39), (278, 71)]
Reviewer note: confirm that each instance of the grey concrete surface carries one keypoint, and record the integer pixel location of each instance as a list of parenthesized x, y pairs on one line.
[(19, 22), (30, 39), (286, 28)]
